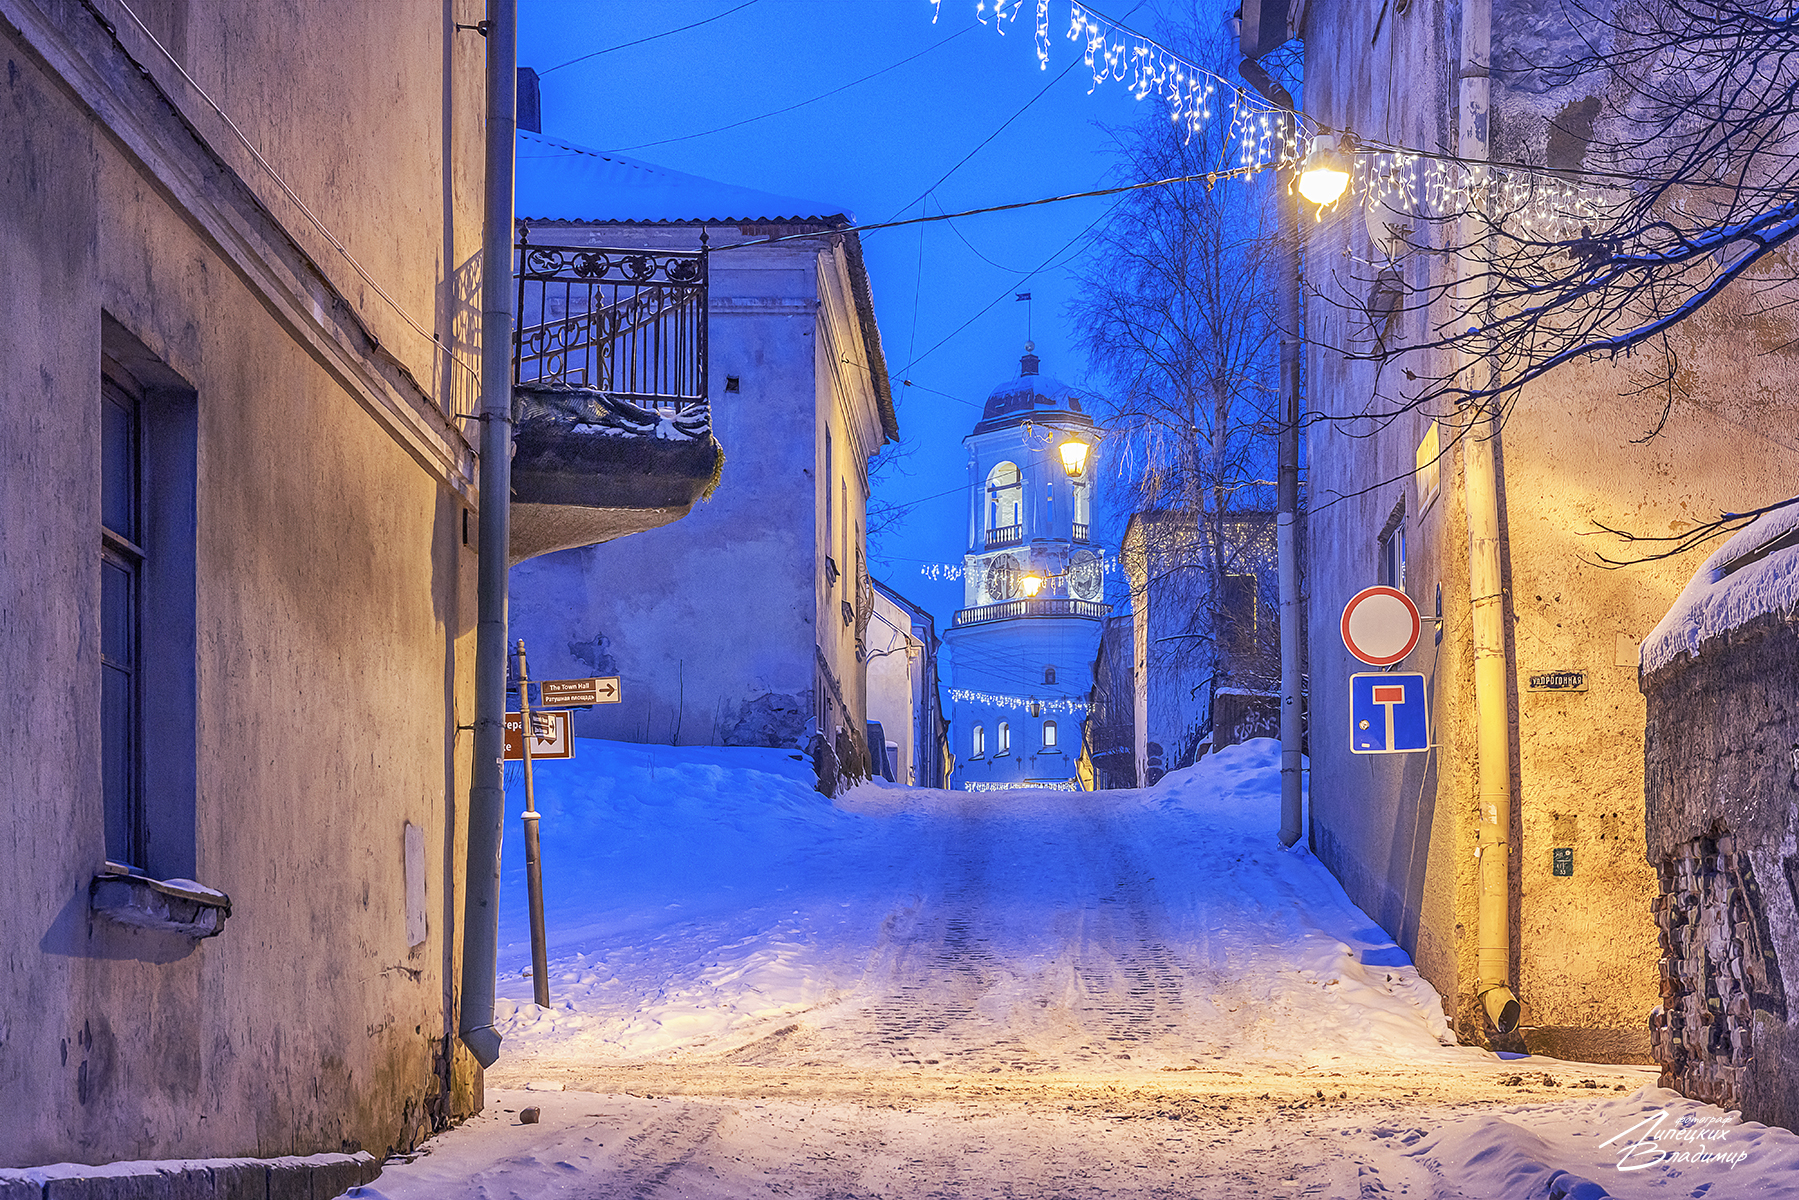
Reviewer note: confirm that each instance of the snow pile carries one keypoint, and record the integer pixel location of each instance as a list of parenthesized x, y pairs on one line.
[(1718, 599), (1653, 1143)]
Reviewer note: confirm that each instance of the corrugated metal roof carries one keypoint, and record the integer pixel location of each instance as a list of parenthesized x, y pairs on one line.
[(560, 181)]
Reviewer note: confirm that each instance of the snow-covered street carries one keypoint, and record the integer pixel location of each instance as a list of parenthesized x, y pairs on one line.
[(910, 993)]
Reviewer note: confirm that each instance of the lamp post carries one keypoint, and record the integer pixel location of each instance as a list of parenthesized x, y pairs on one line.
[(1287, 458)]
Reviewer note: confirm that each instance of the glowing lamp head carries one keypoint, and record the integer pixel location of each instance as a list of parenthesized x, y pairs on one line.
[(1325, 174), (1032, 584), (1074, 457)]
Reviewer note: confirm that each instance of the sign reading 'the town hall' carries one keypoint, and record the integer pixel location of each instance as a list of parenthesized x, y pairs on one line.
[(574, 693)]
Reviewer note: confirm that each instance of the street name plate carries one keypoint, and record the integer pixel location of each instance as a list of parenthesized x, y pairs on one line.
[(577, 692), (1559, 681)]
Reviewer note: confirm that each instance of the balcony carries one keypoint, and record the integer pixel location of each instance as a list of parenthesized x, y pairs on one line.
[(612, 428), (1048, 606), (1004, 535), (1082, 533)]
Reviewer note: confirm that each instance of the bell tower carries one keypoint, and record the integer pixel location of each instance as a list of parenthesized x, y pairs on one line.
[(1023, 642)]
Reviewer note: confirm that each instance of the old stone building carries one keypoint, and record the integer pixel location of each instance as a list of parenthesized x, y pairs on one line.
[(746, 623), (236, 586), (1721, 676), (1394, 500)]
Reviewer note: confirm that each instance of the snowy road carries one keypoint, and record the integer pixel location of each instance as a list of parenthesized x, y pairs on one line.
[(914, 993)]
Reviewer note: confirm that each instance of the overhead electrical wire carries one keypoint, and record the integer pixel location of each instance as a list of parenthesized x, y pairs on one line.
[(802, 104), (653, 37)]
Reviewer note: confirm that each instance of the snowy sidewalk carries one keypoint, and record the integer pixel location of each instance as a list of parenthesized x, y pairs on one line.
[(913, 993)]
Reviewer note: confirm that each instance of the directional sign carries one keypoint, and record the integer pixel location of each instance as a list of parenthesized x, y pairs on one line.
[(1388, 714), (552, 740), (1380, 625), (578, 692)]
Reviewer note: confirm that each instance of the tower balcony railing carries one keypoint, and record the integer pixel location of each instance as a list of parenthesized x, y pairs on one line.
[(1004, 535), (1047, 606), (1082, 533)]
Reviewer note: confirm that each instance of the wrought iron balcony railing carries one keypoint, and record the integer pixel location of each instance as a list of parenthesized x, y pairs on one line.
[(1052, 606), (1005, 535), (1081, 532), (629, 323)]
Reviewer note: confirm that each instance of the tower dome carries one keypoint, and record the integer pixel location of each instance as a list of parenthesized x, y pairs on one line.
[(1031, 396)]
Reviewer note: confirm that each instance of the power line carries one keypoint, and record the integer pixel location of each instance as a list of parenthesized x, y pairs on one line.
[(802, 104), (653, 37)]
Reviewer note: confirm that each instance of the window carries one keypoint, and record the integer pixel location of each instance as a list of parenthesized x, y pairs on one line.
[(1049, 674), (1083, 510), (979, 746), (830, 501), (1004, 739), (1427, 474), (1005, 503), (147, 692), (1392, 558), (1049, 735), (121, 575)]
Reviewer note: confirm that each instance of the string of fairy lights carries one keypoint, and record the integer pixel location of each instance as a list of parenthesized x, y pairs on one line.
[(1407, 184), (1056, 706)]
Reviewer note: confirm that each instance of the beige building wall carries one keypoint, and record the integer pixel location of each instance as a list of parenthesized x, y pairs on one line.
[(1399, 830), (331, 640)]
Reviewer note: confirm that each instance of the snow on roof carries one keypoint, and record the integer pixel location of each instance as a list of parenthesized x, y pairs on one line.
[(1754, 573), (560, 181)]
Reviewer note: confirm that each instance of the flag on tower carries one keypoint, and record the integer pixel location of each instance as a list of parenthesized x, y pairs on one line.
[(1024, 295)]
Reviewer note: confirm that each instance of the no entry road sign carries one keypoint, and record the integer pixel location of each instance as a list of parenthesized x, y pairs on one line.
[(1380, 625), (1388, 714)]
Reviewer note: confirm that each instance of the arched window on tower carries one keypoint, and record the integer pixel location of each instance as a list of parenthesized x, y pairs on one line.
[(1049, 674), (1083, 510), (1004, 739), (1005, 506), (979, 745), (1049, 735)]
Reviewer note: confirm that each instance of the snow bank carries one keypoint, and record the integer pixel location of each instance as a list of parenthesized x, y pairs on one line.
[(1718, 599)]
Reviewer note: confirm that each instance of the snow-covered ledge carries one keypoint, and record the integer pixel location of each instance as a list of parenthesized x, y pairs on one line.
[(172, 905)]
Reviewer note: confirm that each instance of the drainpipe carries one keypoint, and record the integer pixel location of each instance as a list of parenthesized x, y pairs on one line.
[(1486, 595), (1286, 199), (487, 794)]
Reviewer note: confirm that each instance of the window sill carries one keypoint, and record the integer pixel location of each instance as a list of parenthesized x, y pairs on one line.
[(173, 906)]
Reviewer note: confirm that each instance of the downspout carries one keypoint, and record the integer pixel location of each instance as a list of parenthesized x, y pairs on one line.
[(1287, 317), (487, 794), (1486, 594)]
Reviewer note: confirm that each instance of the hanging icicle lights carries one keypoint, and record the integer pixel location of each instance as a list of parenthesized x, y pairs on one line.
[(939, 572), (1056, 705), (1533, 202)]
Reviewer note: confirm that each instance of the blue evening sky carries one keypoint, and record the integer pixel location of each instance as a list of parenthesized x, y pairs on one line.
[(944, 292)]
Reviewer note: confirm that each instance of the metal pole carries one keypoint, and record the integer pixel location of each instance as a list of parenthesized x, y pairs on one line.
[(540, 957), (1286, 201), (487, 795)]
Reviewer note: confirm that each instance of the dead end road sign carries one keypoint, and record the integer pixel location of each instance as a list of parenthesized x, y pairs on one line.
[(558, 743), (1388, 713), (576, 693), (1380, 625)]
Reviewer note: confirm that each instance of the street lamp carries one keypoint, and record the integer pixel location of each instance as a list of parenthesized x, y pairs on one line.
[(1074, 457), (1325, 174), (1031, 585)]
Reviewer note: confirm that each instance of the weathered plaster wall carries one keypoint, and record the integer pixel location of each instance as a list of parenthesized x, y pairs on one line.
[(333, 602), (895, 668)]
